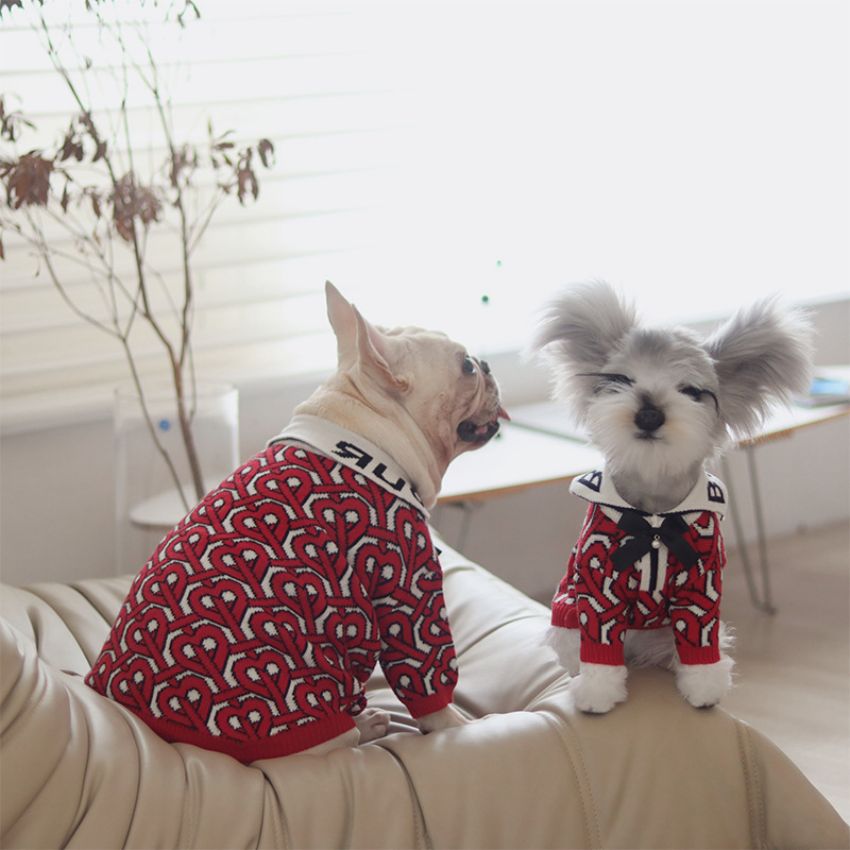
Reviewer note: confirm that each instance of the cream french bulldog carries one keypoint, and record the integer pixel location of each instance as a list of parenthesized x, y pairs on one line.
[(256, 623)]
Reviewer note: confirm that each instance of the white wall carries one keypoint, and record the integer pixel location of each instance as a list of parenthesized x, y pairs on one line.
[(56, 490)]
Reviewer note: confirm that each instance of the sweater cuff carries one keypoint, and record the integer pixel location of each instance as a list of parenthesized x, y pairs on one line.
[(597, 653), (698, 655), (421, 706), (564, 616)]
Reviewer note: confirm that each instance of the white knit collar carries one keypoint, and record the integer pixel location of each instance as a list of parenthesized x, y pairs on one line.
[(353, 451), (708, 494)]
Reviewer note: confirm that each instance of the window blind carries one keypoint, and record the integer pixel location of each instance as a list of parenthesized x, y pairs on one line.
[(299, 74), (451, 164)]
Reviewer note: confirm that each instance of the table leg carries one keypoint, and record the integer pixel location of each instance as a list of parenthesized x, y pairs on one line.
[(762, 601)]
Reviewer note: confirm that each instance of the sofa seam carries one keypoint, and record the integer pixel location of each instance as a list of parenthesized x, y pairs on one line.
[(753, 787), (283, 837), (423, 836), (586, 797)]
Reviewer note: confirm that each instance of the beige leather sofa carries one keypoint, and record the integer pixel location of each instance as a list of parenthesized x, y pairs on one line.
[(79, 771)]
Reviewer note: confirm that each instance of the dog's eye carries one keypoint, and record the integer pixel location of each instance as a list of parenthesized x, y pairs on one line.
[(694, 392), (468, 365), (608, 380), (608, 377), (614, 378), (697, 394)]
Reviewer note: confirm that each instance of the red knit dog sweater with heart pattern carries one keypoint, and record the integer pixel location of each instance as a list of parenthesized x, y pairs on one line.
[(256, 622), (606, 590)]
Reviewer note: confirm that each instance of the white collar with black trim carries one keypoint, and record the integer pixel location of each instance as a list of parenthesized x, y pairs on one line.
[(708, 494), (353, 451)]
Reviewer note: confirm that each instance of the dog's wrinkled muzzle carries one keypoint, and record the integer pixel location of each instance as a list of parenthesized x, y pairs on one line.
[(469, 432), (487, 425), (480, 433)]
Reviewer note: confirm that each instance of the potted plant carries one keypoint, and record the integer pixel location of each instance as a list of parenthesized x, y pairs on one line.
[(92, 186)]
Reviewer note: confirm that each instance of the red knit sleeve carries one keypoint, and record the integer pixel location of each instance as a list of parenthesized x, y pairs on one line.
[(417, 653), (564, 601)]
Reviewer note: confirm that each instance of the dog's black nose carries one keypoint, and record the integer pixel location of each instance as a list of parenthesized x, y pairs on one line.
[(649, 418), (485, 367)]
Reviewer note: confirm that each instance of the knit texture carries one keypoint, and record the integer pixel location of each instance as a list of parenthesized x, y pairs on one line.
[(604, 600), (256, 623)]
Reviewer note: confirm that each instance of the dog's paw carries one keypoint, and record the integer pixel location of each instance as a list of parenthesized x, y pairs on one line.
[(567, 646), (442, 719), (704, 685), (599, 687), (372, 723)]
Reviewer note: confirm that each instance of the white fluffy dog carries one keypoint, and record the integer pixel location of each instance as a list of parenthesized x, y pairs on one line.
[(658, 403)]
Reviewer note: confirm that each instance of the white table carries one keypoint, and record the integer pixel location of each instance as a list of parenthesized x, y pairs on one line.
[(517, 458), (541, 446)]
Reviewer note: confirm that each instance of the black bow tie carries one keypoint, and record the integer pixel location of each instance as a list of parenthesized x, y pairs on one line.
[(644, 537)]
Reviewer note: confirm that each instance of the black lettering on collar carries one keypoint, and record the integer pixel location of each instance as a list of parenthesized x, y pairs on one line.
[(363, 460), (351, 452), (379, 471), (715, 493), (592, 480)]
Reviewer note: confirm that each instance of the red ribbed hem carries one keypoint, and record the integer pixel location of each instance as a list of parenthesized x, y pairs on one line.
[(428, 705), (283, 744), (693, 655), (564, 616), (594, 653)]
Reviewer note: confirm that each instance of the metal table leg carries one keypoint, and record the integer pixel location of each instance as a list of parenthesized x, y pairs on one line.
[(763, 600)]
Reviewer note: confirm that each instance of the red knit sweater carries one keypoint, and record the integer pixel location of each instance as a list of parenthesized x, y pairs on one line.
[(603, 597), (255, 624)]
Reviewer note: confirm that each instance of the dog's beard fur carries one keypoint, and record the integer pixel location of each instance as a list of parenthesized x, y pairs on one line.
[(666, 462), (654, 471)]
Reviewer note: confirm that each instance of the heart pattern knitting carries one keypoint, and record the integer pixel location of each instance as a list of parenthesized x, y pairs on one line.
[(256, 622)]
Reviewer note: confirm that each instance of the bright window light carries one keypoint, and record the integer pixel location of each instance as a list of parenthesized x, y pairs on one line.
[(452, 165), (693, 153)]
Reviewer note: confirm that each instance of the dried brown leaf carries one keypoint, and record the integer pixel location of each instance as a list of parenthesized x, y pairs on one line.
[(10, 4), (28, 180), (246, 183), (131, 202), (265, 149)]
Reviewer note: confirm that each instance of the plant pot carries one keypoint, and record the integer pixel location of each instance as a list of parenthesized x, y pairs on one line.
[(153, 494)]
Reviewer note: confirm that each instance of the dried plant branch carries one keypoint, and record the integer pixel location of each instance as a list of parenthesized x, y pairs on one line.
[(85, 172)]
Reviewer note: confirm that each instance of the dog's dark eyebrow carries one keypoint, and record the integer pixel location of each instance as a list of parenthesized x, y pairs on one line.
[(608, 376), (698, 392)]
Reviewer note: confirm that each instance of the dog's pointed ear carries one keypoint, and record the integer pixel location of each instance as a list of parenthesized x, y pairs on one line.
[(761, 355), (343, 319), (582, 326), (376, 357), (361, 343)]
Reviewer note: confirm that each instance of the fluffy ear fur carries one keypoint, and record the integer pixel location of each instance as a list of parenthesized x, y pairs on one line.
[(760, 355), (583, 325), (579, 330)]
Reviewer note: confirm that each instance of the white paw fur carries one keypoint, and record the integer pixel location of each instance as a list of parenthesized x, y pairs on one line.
[(567, 646), (599, 687), (704, 685)]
